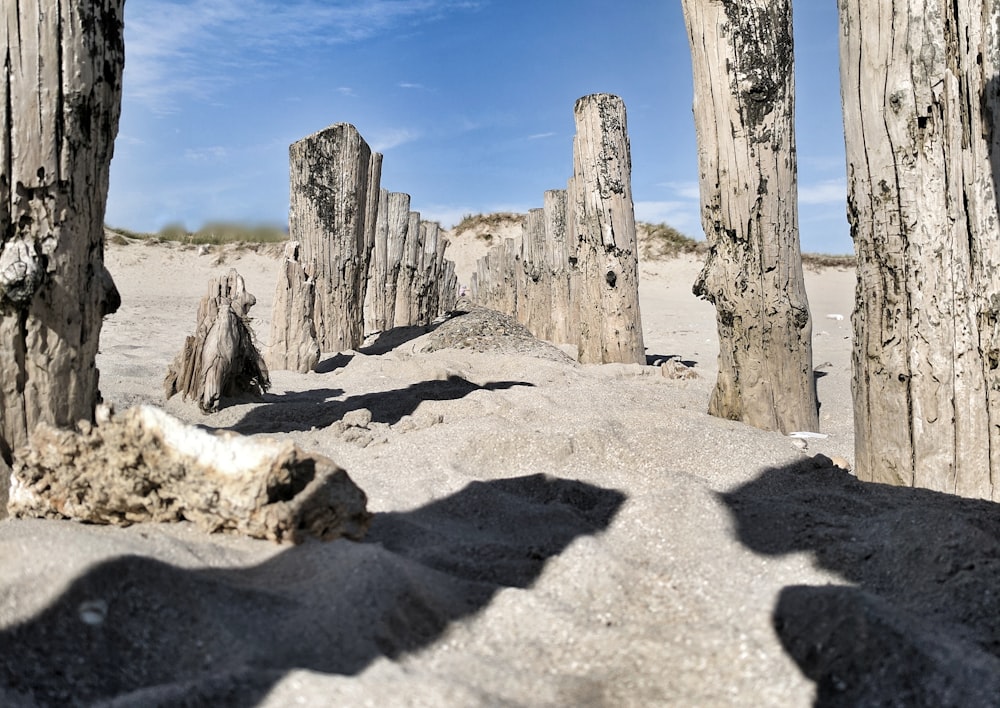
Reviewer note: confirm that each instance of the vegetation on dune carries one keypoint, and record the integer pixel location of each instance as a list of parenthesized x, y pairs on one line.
[(216, 233)]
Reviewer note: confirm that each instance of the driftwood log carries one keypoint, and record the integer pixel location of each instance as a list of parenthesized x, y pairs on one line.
[(921, 95), (220, 359), (741, 55), (146, 466), (61, 95)]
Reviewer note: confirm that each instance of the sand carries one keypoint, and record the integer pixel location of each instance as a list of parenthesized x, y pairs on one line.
[(546, 534)]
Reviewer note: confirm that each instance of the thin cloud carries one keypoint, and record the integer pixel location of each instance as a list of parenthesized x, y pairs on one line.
[(682, 215), (540, 136), (831, 191), (207, 154), (684, 190), (192, 48), (408, 85), (388, 139)]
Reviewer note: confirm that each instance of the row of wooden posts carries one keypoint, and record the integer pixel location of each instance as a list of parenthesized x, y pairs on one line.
[(573, 276), (358, 262)]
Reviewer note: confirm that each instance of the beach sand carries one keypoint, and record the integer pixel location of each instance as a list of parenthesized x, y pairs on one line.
[(545, 534)]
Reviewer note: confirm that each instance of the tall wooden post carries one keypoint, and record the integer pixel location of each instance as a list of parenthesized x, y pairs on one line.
[(921, 99), (334, 187), (741, 54), (61, 89), (604, 223)]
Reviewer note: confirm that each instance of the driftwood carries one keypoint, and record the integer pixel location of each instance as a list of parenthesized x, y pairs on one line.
[(61, 89), (921, 98), (145, 466), (220, 359), (741, 54), (293, 345)]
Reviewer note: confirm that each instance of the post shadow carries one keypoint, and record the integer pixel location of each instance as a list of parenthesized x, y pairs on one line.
[(917, 621), (138, 631), (305, 411)]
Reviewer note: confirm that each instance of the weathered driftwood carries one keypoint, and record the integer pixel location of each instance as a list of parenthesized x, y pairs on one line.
[(744, 118), (145, 466), (334, 185), (604, 225), (61, 89), (293, 345), (220, 359), (407, 310), (921, 101), (535, 296)]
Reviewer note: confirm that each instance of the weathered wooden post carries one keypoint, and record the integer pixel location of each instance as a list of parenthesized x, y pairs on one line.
[(604, 223), (334, 180), (61, 88), (557, 254), (408, 282), (293, 345), (744, 117), (535, 306), (921, 99), (387, 256)]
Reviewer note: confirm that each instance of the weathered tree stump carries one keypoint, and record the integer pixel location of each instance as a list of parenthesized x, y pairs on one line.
[(334, 186), (61, 89), (921, 99), (220, 359), (535, 295), (145, 466), (604, 224), (744, 118), (407, 285), (293, 345)]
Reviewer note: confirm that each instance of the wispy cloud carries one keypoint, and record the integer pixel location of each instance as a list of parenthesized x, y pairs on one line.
[(540, 136), (388, 139), (177, 48), (346, 91), (683, 190), (409, 85), (831, 191), (682, 215), (206, 154)]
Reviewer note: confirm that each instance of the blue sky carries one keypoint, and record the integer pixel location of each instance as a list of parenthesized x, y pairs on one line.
[(470, 101)]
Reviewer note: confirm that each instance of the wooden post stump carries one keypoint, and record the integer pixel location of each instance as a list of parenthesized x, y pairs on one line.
[(535, 307), (61, 94), (293, 345), (558, 250), (921, 95), (604, 223), (334, 183), (744, 118), (145, 466), (220, 359)]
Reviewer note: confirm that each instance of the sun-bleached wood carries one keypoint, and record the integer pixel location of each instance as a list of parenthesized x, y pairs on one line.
[(221, 358), (409, 279), (921, 98), (607, 267), (292, 345), (146, 466), (558, 250), (741, 56), (535, 293), (60, 97), (334, 185)]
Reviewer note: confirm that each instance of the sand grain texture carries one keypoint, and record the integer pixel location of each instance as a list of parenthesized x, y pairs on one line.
[(545, 534)]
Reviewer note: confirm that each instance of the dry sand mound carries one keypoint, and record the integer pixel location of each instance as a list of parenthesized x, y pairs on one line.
[(545, 533)]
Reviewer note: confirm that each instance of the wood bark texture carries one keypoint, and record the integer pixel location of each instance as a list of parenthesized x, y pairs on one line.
[(293, 345), (535, 305), (604, 224), (60, 97), (742, 61), (922, 128), (145, 466), (407, 285), (332, 214), (558, 250), (221, 358)]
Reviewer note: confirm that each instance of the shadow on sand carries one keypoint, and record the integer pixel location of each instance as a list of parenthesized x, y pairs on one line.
[(172, 636), (312, 409), (919, 623)]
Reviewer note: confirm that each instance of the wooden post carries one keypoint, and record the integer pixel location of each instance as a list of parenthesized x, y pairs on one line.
[(558, 248), (535, 307), (744, 117), (387, 256), (406, 288), (61, 89), (293, 345), (604, 221), (334, 180), (921, 99)]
